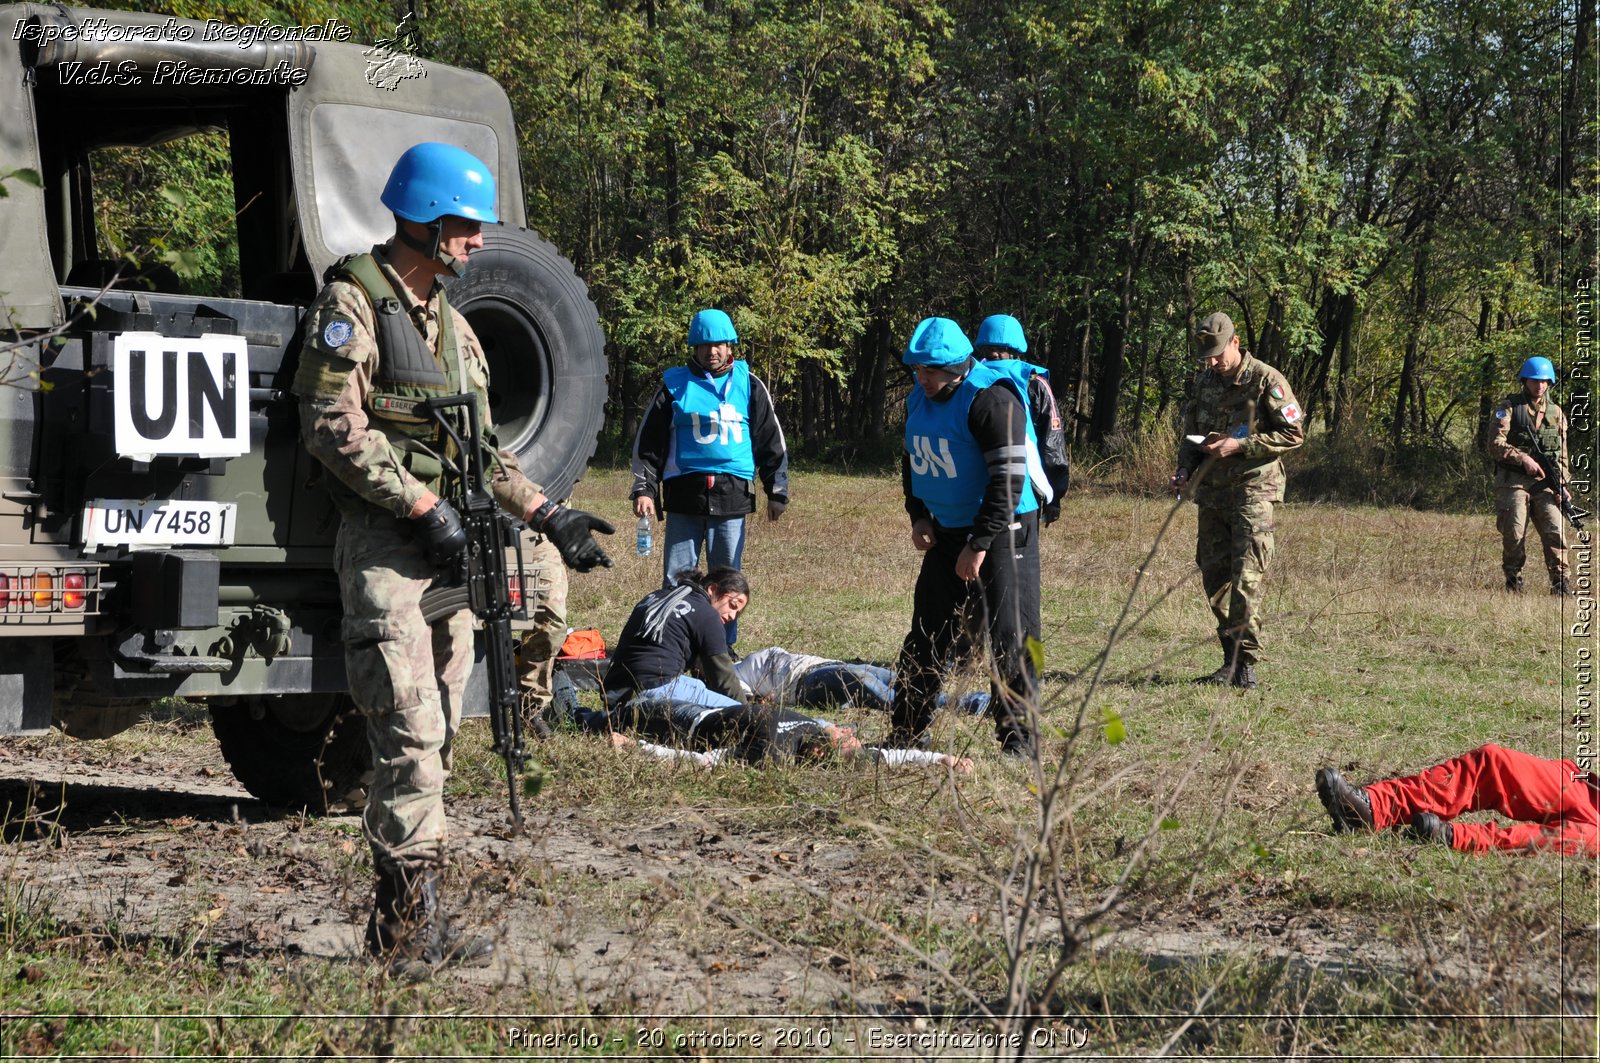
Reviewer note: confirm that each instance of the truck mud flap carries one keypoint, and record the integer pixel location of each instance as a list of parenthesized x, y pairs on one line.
[(27, 686)]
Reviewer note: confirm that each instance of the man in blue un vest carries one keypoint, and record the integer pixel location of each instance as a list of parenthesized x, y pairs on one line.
[(1001, 345), (707, 433), (975, 516)]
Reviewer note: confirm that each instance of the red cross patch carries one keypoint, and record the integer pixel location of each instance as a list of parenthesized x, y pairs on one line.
[(1291, 413)]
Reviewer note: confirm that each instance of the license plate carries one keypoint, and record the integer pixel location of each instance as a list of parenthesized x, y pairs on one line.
[(157, 523)]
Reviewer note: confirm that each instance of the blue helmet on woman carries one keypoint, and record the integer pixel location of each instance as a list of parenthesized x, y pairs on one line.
[(1537, 368), (432, 180), (939, 342), (1002, 330), (711, 326)]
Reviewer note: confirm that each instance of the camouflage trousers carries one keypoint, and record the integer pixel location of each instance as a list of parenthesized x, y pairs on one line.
[(1514, 504), (407, 677), (545, 583), (1233, 549)]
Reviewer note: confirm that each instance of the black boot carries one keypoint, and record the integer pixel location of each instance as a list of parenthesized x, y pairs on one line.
[(1244, 677), (1347, 805), (408, 927), (1559, 586), (1230, 655), (1513, 583), (1427, 827)]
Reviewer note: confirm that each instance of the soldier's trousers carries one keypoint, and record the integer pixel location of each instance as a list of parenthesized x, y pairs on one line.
[(1555, 809), (545, 584), (1005, 597), (1513, 505), (1234, 548), (407, 677)]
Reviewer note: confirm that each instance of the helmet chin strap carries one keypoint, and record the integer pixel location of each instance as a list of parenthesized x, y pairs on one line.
[(430, 246)]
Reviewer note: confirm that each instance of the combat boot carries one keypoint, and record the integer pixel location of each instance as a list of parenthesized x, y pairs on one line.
[(1514, 584), (1347, 805), (1559, 586), (1244, 677), (1223, 676), (410, 932), (1427, 827)]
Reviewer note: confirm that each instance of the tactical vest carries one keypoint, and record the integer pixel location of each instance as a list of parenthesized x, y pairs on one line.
[(408, 372), (948, 472), (711, 421), (1022, 372), (1546, 439)]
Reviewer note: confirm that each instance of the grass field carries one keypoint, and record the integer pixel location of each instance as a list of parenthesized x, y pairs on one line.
[(1176, 891)]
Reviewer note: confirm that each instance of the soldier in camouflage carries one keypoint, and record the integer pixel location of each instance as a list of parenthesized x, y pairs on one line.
[(1528, 421), (1240, 419), (380, 339), (546, 589)]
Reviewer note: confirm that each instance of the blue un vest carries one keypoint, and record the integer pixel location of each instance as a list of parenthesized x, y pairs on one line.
[(711, 420), (948, 472), (1022, 372)]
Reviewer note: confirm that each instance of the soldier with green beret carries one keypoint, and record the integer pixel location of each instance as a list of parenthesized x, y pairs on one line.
[(1241, 418)]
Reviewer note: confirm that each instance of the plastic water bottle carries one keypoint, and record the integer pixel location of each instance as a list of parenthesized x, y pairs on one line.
[(642, 542)]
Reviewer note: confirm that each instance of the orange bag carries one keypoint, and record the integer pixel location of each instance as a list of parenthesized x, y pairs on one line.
[(585, 645)]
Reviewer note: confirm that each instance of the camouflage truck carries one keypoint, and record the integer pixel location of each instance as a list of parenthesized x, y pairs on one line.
[(162, 533)]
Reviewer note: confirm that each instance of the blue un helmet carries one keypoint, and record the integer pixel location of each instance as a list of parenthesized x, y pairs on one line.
[(432, 180), (939, 342), (711, 326), (1537, 368), (1002, 330)]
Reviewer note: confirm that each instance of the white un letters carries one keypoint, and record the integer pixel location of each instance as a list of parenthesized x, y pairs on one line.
[(727, 424), (924, 462)]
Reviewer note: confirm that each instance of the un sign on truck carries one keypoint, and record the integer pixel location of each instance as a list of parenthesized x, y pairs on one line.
[(181, 396)]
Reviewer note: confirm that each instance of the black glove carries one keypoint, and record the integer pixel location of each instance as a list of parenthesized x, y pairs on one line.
[(1052, 513), (572, 532), (440, 533)]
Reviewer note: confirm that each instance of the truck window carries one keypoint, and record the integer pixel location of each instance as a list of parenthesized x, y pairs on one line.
[(171, 206)]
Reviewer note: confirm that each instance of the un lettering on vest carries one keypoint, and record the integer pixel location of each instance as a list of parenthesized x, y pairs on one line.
[(180, 396), (726, 425), (925, 462)]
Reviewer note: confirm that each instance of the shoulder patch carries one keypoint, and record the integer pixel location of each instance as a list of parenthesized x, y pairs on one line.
[(1500, 414), (1277, 391), (1291, 413), (337, 332)]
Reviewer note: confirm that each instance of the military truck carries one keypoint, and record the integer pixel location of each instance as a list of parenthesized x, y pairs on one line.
[(162, 532)]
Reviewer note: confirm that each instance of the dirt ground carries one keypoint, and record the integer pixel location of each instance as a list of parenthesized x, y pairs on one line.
[(678, 916)]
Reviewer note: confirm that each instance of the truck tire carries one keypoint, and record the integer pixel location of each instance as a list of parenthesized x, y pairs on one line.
[(296, 750), (547, 353)]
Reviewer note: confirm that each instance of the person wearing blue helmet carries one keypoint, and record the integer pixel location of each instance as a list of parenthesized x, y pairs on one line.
[(707, 433), (380, 339), (1001, 345), (975, 519), (1527, 423)]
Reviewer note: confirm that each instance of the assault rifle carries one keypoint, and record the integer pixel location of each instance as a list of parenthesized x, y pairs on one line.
[(1552, 475), (479, 580)]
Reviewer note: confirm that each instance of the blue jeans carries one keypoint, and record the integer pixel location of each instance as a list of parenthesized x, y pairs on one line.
[(684, 713), (864, 686), (723, 539)]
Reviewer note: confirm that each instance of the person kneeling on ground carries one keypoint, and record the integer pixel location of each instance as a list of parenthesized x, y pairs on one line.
[(672, 631), (811, 682), (1556, 805)]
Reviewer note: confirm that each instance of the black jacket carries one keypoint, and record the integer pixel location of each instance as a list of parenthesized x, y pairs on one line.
[(702, 494)]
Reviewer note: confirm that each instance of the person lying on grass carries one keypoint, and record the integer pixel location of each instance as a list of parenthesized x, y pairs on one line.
[(681, 628), (1555, 805), (798, 737), (806, 681)]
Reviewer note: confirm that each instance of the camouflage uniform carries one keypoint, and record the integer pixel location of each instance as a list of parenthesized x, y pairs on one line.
[(1236, 494), (1517, 496), (406, 676), (546, 589)]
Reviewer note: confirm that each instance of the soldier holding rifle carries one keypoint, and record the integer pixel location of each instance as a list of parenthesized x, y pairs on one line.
[(1529, 444)]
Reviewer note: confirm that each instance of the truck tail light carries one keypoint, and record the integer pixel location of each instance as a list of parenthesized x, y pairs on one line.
[(43, 584), (73, 597), (5, 591), (514, 590)]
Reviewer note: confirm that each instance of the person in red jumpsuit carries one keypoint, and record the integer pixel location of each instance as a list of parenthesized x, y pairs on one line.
[(1554, 803)]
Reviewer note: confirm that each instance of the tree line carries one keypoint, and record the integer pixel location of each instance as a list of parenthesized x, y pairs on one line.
[(1393, 199)]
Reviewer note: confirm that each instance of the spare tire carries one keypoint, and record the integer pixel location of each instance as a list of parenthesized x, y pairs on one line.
[(547, 354)]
